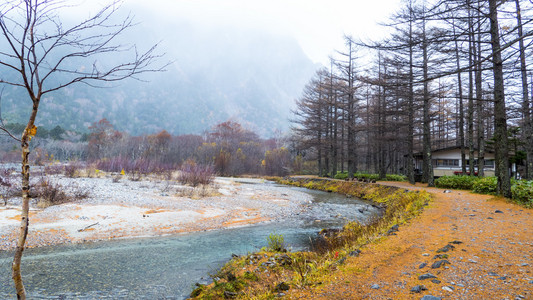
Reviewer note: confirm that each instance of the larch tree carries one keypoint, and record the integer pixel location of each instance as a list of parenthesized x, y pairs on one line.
[(527, 125), (41, 53), (500, 113)]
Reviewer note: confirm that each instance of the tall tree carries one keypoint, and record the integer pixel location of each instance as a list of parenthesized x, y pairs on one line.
[(346, 66), (527, 125), (500, 114), (40, 54), (427, 169)]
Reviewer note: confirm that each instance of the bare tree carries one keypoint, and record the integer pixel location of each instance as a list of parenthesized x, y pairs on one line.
[(500, 115), (526, 110), (41, 54)]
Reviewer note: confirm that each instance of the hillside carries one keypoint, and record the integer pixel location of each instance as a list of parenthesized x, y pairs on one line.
[(216, 74)]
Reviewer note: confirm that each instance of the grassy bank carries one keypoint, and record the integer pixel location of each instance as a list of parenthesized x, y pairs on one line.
[(273, 271)]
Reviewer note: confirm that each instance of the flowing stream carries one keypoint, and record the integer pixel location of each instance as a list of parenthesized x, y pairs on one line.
[(165, 267)]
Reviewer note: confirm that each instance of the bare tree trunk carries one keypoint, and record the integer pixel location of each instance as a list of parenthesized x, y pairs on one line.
[(319, 154), (470, 111), (335, 121), (500, 115), (526, 114), (428, 167), (479, 101), (410, 104), (28, 133), (461, 108)]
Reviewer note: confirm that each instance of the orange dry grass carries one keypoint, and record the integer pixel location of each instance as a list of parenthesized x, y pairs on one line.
[(501, 243), (19, 217)]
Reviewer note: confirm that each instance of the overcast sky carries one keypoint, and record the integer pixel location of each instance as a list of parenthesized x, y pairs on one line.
[(318, 25)]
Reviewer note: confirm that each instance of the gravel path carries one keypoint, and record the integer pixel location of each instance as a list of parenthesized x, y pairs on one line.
[(148, 208), (463, 246)]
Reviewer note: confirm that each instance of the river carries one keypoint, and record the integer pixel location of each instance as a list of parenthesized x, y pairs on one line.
[(165, 267)]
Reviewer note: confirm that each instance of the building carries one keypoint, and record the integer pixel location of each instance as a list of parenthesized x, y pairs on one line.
[(447, 161)]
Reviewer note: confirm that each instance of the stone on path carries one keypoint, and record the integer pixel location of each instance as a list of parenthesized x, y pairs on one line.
[(430, 297), (439, 264), (418, 289), (426, 276)]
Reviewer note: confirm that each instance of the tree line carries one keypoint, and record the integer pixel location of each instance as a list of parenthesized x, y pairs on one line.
[(228, 147), (451, 73)]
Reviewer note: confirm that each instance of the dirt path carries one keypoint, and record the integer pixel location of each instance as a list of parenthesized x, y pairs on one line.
[(491, 256)]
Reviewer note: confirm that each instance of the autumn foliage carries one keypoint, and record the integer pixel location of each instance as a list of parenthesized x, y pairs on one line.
[(228, 149)]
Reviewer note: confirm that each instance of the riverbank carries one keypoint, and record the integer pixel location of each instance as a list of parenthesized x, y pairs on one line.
[(476, 247), (462, 246), (149, 207)]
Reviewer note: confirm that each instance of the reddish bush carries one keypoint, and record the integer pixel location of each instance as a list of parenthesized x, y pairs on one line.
[(193, 174)]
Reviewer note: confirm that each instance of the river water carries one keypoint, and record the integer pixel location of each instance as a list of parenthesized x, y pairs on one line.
[(165, 267)]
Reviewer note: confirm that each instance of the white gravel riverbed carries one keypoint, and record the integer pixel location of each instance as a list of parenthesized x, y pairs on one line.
[(149, 207)]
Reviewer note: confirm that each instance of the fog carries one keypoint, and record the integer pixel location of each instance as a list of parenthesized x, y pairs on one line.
[(245, 61)]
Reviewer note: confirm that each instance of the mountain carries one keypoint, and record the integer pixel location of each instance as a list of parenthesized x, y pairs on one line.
[(217, 73)]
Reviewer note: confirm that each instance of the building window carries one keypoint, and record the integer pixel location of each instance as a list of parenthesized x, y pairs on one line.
[(489, 163), (445, 162)]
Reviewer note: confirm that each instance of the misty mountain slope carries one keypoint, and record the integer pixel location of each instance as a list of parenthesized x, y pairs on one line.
[(216, 74)]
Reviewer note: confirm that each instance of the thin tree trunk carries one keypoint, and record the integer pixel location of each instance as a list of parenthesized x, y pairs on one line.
[(428, 167), (479, 102), (526, 114), (461, 114), (470, 111), (410, 104), (24, 222)]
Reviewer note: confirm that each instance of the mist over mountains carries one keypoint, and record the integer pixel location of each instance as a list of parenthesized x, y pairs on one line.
[(217, 73)]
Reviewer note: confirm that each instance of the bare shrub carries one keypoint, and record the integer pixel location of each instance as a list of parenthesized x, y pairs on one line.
[(197, 192), (8, 187), (138, 167), (72, 169), (194, 175), (79, 192), (50, 193), (53, 169)]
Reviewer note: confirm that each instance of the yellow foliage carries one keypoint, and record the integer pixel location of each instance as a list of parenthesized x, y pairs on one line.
[(122, 172), (32, 132)]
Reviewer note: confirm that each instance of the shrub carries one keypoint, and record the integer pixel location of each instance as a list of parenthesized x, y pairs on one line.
[(50, 193), (135, 168), (456, 182), (53, 169), (522, 192), (8, 188), (72, 169), (341, 175), (374, 177), (485, 185), (276, 242), (193, 174), (394, 177)]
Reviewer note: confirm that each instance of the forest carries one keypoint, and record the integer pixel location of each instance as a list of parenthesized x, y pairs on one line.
[(455, 73)]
